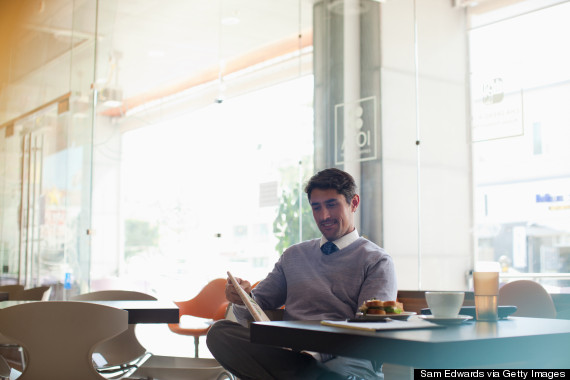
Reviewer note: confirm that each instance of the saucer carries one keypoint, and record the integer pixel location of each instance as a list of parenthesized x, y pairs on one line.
[(446, 321), (503, 311)]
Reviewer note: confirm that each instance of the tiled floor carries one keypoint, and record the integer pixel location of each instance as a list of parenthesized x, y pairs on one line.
[(159, 340)]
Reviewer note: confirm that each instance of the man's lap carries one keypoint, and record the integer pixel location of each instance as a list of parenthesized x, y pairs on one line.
[(230, 344)]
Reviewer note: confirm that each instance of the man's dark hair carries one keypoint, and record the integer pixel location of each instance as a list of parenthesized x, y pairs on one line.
[(332, 178)]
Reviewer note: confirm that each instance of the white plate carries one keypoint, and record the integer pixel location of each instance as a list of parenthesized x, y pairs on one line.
[(403, 316), (447, 321)]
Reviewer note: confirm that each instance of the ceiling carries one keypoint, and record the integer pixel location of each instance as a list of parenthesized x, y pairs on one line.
[(142, 44)]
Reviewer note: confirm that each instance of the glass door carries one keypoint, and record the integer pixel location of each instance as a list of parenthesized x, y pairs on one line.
[(30, 205), (22, 202), (11, 146), (42, 241)]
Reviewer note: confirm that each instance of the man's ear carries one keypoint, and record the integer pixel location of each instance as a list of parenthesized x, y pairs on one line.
[(354, 203)]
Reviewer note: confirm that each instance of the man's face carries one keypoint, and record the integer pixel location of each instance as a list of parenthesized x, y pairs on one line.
[(333, 215)]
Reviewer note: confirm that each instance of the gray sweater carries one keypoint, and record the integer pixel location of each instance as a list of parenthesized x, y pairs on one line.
[(314, 286)]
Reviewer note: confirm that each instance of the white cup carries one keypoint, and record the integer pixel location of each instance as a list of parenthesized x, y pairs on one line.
[(445, 304)]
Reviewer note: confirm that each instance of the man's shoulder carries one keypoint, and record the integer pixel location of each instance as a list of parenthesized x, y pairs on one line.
[(304, 246), (368, 246)]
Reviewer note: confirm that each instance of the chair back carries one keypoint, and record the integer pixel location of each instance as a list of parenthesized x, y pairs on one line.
[(530, 298), (12, 290), (59, 336), (40, 293), (5, 369), (415, 300), (125, 347), (114, 295), (208, 302)]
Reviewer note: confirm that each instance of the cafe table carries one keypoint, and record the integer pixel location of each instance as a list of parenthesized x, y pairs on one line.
[(143, 311), (514, 342)]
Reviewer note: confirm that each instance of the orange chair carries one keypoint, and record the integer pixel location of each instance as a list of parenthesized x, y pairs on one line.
[(210, 304)]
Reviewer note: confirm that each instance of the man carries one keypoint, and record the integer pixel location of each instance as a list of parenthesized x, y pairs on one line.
[(326, 278)]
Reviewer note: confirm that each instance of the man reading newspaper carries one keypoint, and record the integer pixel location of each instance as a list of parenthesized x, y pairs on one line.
[(326, 278)]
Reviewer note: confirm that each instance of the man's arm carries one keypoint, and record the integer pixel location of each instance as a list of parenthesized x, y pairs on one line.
[(232, 294), (380, 282), (271, 293), (241, 313)]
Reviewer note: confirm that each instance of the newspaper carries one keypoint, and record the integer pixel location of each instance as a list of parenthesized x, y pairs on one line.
[(252, 306), (380, 326)]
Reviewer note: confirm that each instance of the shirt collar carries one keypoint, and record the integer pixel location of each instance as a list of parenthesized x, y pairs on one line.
[(344, 241)]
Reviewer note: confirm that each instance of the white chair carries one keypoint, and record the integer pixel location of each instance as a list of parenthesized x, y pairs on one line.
[(127, 358), (60, 336), (5, 369), (39, 293), (12, 290), (530, 298), (123, 354), (18, 293)]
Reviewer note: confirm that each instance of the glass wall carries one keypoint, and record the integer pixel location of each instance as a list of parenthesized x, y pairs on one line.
[(155, 145), (520, 87), (210, 203), (46, 68), (205, 135), (426, 158)]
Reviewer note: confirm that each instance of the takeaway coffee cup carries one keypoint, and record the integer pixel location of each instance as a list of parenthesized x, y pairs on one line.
[(486, 290), (445, 304)]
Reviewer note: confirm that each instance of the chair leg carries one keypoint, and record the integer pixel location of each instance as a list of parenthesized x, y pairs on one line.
[(196, 343), (226, 376), (23, 357)]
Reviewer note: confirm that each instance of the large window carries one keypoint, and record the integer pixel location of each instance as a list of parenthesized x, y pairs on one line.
[(46, 65), (202, 129), (521, 130), (201, 192), (170, 140)]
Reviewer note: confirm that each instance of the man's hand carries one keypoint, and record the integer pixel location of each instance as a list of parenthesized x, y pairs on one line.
[(232, 294)]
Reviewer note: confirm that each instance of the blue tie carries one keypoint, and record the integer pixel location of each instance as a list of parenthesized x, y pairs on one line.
[(329, 247)]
